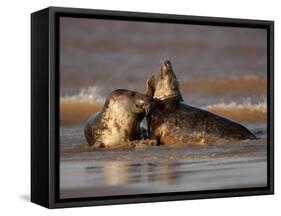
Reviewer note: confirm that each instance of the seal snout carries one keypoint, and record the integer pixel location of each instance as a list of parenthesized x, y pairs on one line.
[(165, 67), (143, 105), (140, 104), (167, 63)]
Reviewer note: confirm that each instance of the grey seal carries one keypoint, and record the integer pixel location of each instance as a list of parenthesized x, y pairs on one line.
[(119, 121), (170, 121)]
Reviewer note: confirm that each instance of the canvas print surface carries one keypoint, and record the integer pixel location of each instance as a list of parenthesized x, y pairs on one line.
[(154, 107)]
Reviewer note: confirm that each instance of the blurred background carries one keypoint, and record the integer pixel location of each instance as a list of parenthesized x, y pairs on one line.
[(221, 69)]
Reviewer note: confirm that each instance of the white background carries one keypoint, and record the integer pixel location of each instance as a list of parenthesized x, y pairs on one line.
[(15, 107)]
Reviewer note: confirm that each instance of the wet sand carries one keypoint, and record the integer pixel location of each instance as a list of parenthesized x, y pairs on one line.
[(160, 177), (113, 177), (160, 169)]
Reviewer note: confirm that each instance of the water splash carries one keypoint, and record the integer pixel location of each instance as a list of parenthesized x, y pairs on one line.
[(92, 94)]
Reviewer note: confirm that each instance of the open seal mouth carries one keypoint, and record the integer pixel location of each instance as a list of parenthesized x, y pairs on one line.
[(140, 106)]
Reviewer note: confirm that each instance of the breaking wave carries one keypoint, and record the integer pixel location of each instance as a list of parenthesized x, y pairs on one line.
[(91, 94), (245, 112), (75, 111), (79, 107)]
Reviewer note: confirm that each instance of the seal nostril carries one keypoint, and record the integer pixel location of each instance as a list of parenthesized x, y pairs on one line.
[(167, 62)]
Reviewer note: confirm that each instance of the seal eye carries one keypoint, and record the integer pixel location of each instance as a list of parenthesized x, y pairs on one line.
[(133, 94)]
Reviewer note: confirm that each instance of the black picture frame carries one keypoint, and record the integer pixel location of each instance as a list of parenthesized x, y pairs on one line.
[(45, 106)]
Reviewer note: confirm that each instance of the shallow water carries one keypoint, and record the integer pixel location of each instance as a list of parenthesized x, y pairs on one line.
[(155, 169), (93, 179)]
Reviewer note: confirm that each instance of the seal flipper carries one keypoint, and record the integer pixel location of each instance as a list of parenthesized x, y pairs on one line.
[(150, 86), (149, 91)]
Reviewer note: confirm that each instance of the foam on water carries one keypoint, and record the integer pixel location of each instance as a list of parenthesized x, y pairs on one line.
[(92, 94), (245, 112), (76, 111), (206, 92)]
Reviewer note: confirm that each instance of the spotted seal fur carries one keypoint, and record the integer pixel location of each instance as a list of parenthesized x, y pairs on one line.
[(173, 122), (119, 121)]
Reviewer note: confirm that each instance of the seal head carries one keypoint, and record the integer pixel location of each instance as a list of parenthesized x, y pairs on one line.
[(167, 85), (119, 120)]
